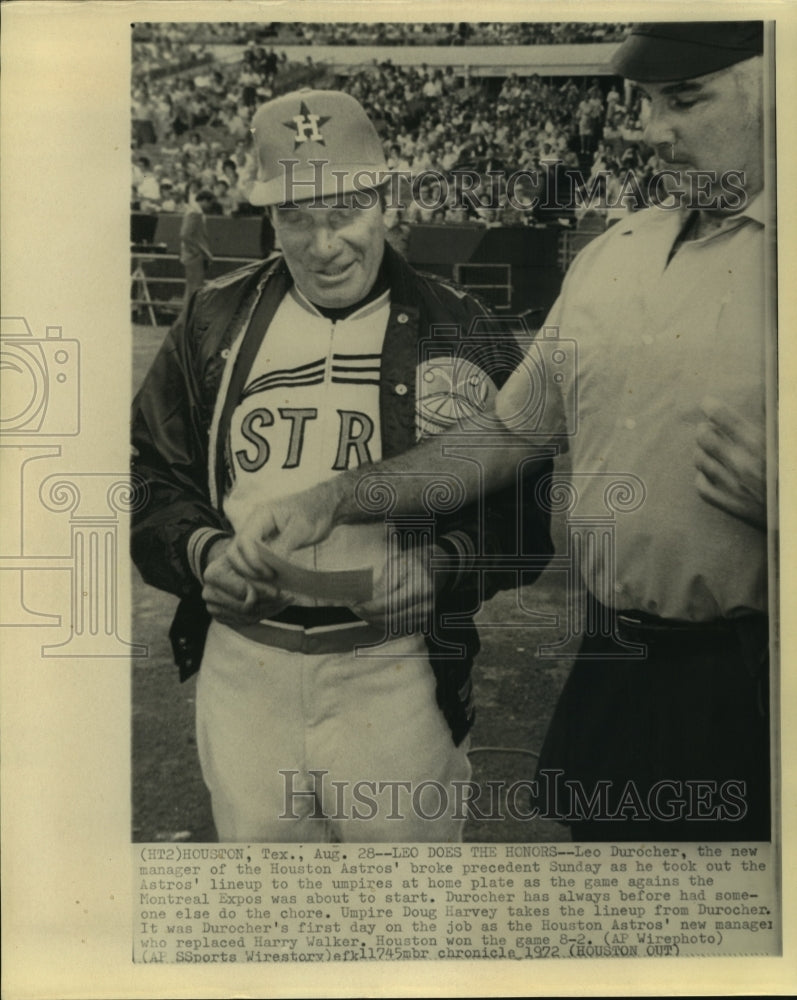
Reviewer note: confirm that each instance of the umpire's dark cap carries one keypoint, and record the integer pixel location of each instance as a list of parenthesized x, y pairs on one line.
[(681, 50)]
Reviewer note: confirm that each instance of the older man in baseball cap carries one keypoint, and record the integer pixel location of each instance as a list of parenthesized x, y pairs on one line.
[(662, 730), (328, 707)]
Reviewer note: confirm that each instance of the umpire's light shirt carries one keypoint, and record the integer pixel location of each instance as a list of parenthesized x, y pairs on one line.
[(653, 337)]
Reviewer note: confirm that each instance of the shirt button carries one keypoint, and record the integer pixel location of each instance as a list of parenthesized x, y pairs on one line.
[(401, 389), (630, 423), (402, 318), (225, 353)]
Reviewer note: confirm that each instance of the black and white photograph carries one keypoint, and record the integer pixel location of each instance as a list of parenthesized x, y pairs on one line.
[(437, 622), (437, 239)]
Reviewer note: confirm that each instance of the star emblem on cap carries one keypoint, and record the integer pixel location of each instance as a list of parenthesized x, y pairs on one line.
[(308, 126)]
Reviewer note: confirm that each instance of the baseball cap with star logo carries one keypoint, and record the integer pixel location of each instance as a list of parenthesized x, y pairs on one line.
[(314, 143)]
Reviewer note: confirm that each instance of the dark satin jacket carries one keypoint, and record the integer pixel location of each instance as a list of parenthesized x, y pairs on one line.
[(172, 416)]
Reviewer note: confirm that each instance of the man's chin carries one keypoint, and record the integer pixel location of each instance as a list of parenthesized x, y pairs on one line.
[(337, 295)]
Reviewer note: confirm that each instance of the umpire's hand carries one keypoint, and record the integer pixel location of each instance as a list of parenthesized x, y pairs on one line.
[(731, 463), (234, 599), (404, 593), (290, 523)]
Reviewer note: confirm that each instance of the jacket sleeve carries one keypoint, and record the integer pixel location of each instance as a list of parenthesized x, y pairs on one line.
[(174, 522)]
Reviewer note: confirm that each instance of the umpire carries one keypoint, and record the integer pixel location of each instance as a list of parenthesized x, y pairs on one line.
[(281, 375)]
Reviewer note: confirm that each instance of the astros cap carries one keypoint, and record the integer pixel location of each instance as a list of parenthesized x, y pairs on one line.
[(312, 143), (682, 50)]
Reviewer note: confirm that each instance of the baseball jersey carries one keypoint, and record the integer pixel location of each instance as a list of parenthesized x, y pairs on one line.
[(308, 411)]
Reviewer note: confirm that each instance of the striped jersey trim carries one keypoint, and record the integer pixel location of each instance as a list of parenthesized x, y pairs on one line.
[(199, 542), (354, 381), (310, 373), (348, 369), (356, 369)]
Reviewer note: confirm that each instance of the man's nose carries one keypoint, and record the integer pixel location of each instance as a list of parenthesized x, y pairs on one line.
[(326, 242), (659, 132)]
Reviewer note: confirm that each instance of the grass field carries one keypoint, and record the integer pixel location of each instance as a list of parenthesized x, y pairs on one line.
[(515, 695)]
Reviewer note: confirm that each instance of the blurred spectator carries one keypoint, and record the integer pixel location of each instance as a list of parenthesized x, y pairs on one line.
[(612, 134), (169, 200), (195, 252), (612, 102), (221, 194), (196, 149), (235, 195), (147, 187)]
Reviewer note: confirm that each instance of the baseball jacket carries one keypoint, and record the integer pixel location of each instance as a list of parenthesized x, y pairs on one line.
[(172, 414)]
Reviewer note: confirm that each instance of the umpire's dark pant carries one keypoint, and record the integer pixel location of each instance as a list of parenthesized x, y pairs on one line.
[(675, 746)]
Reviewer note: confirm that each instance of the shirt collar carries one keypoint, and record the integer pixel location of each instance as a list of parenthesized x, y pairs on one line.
[(756, 209), (371, 306)]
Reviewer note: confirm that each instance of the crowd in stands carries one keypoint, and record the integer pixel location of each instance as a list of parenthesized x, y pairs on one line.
[(193, 126), (378, 33), (166, 54), (462, 33), (436, 123)]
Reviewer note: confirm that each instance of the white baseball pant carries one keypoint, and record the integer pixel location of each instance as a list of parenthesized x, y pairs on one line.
[(293, 747)]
